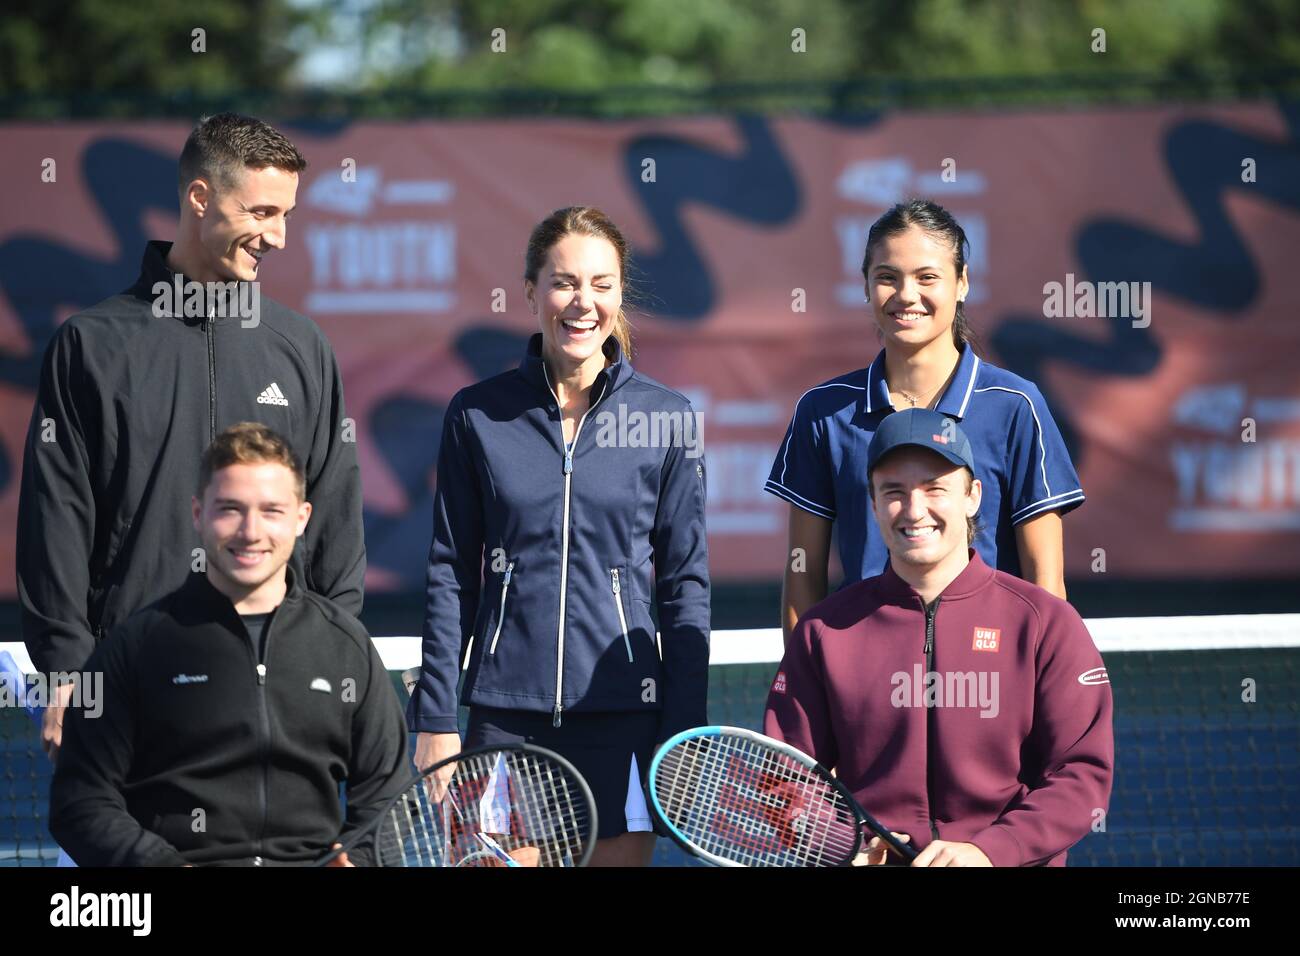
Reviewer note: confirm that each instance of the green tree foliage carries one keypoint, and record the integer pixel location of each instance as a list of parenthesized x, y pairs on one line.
[(594, 43), (802, 52), (80, 47), (591, 44)]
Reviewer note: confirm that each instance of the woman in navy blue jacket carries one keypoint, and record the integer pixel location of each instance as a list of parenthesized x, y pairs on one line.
[(570, 498)]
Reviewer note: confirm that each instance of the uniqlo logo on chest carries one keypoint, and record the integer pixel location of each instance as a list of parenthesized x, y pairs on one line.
[(986, 639), (778, 685)]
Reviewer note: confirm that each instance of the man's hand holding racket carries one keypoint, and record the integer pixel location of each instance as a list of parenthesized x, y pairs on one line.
[(947, 853), (876, 852), (733, 797), (937, 853), (341, 860)]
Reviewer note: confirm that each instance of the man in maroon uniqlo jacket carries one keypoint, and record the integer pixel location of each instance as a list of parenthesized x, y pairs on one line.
[(966, 709)]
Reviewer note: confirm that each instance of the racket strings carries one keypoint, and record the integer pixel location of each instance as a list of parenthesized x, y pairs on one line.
[(565, 842), (499, 809), (746, 804)]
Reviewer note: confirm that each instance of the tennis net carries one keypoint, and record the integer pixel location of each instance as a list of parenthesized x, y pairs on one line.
[(1207, 740)]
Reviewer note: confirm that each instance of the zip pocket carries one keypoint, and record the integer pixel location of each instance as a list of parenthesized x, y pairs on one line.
[(501, 612), (622, 618)]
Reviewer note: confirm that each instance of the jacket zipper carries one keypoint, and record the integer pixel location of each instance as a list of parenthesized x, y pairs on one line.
[(930, 612), (622, 619), (501, 614), (564, 541), (212, 379), (264, 745)]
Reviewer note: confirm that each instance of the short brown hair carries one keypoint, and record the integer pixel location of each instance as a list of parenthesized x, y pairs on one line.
[(581, 221), (221, 147), (248, 443)]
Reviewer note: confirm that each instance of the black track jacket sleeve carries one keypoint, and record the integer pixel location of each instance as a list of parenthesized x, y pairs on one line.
[(88, 813), (56, 517), (335, 537)]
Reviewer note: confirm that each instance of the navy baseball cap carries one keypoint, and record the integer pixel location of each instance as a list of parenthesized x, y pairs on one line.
[(923, 428)]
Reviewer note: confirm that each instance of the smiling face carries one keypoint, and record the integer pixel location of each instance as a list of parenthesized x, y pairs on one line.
[(922, 503), (913, 287), (248, 520), (577, 298), (239, 223)]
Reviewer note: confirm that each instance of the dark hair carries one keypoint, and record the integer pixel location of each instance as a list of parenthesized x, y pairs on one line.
[(973, 524), (221, 147), (936, 221), (248, 443), (582, 221)]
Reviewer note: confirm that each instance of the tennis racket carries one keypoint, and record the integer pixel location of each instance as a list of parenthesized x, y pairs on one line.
[(517, 805), (733, 797)]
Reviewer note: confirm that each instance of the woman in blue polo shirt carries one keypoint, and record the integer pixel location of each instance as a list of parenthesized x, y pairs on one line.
[(916, 281)]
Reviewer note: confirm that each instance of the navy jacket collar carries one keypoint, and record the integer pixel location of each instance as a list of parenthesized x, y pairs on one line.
[(533, 367), (955, 401)]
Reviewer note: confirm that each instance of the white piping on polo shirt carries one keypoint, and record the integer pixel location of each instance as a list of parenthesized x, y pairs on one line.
[(870, 406), (970, 386), (1038, 431), (1048, 504), (782, 491), (785, 452)]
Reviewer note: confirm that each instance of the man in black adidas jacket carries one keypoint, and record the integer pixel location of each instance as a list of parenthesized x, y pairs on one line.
[(133, 389), (233, 707)]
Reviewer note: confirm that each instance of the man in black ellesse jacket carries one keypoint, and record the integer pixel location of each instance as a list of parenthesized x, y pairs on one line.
[(134, 388), (233, 707)]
